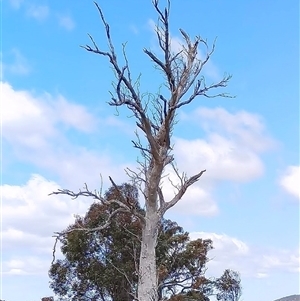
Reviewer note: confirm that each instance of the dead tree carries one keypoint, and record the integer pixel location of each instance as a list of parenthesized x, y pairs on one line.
[(155, 118)]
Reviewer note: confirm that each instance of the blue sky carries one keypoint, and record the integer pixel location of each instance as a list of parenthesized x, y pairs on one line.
[(58, 131)]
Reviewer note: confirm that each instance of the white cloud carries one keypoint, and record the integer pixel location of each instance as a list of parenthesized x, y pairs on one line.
[(233, 253), (284, 260), (231, 148), (26, 265), (223, 243), (30, 120), (37, 128), (66, 22), (38, 12), (223, 159), (196, 201), (73, 115), (78, 166), (30, 207), (29, 218), (247, 128), (290, 181)]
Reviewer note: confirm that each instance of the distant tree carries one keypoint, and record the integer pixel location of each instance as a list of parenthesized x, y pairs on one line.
[(47, 299), (155, 115), (228, 286), (103, 265)]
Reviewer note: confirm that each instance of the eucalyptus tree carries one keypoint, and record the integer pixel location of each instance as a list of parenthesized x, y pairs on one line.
[(103, 265), (155, 117)]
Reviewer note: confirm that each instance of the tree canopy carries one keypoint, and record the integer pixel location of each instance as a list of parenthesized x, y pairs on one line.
[(103, 265)]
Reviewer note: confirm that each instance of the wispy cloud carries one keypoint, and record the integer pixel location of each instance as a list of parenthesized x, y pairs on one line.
[(134, 29), (66, 22), (38, 12), (18, 64), (251, 262)]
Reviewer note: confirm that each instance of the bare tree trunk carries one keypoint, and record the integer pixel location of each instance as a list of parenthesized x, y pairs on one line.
[(147, 288)]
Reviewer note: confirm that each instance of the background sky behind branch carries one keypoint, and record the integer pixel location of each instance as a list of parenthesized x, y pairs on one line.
[(59, 132)]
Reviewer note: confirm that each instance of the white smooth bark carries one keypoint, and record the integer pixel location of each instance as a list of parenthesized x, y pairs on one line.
[(147, 288)]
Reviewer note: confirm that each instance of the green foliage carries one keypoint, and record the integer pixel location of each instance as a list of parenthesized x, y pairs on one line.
[(103, 265), (228, 286)]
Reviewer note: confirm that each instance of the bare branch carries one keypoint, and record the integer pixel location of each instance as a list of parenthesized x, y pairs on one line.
[(125, 204), (96, 196), (74, 195), (59, 235), (181, 192), (54, 249), (131, 233), (136, 177), (139, 146)]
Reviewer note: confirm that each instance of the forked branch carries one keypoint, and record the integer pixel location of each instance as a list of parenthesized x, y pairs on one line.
[(186, 183), (121, 201)]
